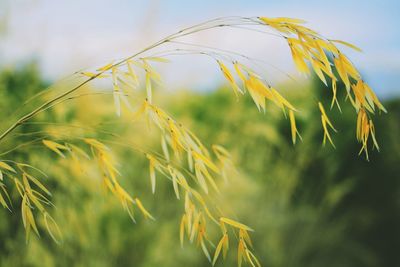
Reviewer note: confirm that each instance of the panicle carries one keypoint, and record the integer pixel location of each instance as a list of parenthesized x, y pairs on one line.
[(310, 51)]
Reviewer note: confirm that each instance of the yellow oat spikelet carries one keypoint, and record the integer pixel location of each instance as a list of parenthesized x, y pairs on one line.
[(334, 95), (293, 127), (282, 20), (365, 98), (52, 228), (281, 101), (106, 67), (7, 167), (228, 75), (153, 163), (223, 245), (237, 66), (325, 124), (347, 44), (182, 229), (56, 147), (146, 214), (258, 91), (94, 75), (235, 224), (116, 92), (5, 198)]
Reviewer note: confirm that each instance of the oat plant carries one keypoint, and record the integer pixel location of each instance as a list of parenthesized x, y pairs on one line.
[(193, 168)]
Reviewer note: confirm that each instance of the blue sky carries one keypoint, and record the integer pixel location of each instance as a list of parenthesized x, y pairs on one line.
[(64, 36)]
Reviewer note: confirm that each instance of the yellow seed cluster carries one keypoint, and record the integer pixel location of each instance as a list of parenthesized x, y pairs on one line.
[(307, 46), (197, 212), (365, 129), (34, 198)]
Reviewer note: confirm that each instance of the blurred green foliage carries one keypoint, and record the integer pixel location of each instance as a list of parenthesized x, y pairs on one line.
[(310, 205)]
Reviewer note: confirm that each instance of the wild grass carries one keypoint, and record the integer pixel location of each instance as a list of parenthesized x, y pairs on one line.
[(192, 168)]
